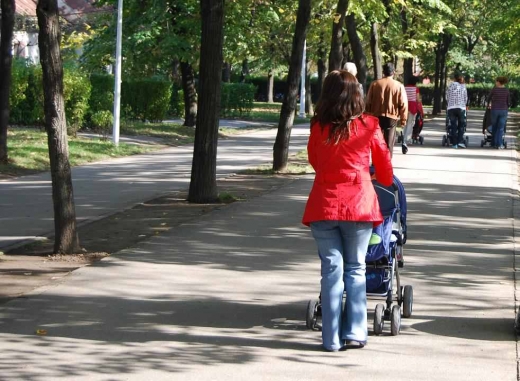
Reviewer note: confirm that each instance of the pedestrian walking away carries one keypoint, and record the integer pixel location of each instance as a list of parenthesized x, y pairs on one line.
[(386, 100), (498, 101), (457, 98), (412, 93), (342, 207)]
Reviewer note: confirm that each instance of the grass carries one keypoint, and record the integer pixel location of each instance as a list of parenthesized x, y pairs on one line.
[(28, 151), (269, 112), (298, 165), (171, 133)]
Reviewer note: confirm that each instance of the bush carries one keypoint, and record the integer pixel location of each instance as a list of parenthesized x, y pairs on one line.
[(237, 99), (146, 99), (177, 102), (76, 87), (477, 94), (102, 93), (19, 83), (101, 122), (26, 97)]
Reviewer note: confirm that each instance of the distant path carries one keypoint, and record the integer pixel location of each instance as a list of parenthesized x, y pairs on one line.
[(102, 188)]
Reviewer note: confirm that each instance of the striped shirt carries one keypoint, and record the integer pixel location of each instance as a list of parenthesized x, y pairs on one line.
[(411, 94), (457, 96), (499, 98)]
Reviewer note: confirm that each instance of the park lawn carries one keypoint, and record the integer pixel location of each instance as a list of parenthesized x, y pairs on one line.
[(269, 112), (170, 133), (28, 151)]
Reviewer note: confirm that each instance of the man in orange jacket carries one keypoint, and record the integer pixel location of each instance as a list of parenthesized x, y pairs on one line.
[(386, 99)]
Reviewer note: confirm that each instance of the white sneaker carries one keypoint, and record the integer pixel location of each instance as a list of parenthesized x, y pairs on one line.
[(461, 145)]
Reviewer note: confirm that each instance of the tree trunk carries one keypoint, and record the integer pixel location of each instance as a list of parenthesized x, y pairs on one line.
[(376, 54), (281, 145), (66, 239), (385, 40), (436, 87), (226, 72), (443, 87), (407, 69), (322, 70), (309, 109), (408, 62), (336, 44), (190, 94), (245, 71), (203, 185), (443, 47), (270, 86), (6, 59), (357, 49)]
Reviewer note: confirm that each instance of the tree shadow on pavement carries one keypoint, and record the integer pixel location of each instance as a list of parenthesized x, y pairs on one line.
[(102, 335)]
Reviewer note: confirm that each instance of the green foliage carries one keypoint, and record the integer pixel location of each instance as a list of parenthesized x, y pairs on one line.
[(102, 94), (237, 99), (146, 99), (177, 102), (102, 121), (477, 94), (19, 83), (27, 95), (77, 88)]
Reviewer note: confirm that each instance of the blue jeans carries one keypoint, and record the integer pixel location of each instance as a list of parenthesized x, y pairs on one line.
[(498, 119), (342, 247), (457, 118)]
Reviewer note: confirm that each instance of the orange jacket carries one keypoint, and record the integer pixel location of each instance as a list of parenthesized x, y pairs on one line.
[(387, 97), (342, 189)]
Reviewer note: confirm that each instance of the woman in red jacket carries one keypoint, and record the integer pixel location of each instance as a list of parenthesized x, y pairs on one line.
[(342, 207)]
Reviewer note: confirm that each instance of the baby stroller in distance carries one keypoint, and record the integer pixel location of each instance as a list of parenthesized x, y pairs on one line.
[(446, 138), (487, 130), (417, 128), (383, 260)]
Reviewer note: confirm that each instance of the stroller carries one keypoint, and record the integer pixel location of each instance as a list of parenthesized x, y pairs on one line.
[(383, 261), (487, 130), (446, 138), (417, 128)]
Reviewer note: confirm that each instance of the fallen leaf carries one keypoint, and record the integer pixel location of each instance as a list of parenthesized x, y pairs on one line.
[(41, 332)]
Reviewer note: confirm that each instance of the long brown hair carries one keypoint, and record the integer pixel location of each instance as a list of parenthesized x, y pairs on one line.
[(340, 103)]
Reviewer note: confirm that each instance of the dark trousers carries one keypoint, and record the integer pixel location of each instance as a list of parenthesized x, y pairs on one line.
[(388, 126), (457, 118)]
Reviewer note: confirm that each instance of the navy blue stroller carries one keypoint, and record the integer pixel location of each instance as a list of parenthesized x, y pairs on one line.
[(383, 260), (446, 138)]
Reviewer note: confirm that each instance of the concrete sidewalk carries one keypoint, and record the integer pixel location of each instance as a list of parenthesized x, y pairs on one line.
[(224, 297), (103, 188)]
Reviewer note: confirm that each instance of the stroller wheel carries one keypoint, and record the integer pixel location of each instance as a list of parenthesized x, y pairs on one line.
[(407, 301), (482, 143), (395, 320), (444, 141), (467, 141), (312, 314), (379, 323), (421, 140), (505, 144)]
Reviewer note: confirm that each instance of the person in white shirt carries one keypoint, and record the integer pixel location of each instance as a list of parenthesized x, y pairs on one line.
[(457, 98)]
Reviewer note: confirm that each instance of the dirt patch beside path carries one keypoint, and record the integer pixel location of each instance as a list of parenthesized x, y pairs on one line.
[(29, 267)]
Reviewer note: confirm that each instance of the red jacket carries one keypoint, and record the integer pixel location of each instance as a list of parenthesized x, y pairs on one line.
[(342, 189)]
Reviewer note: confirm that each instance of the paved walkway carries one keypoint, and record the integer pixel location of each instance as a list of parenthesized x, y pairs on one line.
[(103, 188), (223, 298)]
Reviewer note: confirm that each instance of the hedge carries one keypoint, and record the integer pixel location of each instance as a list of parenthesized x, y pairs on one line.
[(477, 94), (26, 96), (146, 99), (102, 94), (237, 99)]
